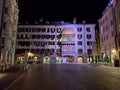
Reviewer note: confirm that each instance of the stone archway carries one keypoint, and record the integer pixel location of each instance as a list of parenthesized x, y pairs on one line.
[(46, 59), (80, 59)]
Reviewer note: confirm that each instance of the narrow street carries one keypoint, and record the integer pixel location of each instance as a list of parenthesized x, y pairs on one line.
[(68, 77)]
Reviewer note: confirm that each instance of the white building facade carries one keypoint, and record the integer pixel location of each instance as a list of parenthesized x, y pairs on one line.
[(56, 42)]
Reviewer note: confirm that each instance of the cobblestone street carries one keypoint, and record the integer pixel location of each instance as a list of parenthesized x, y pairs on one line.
[(68, 77)]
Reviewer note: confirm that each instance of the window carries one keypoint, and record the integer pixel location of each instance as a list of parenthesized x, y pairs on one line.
[(42, 36), (89, 51), (80, 51), (18, 36), (119, 13), (33, 36), (89, 43), (3, 40), (88, 36), (119, 42), (58, 30), (48, 29), (24, 36), (119, 27), (52, 30), (6, 10), (38, 36), (38, 29), (79, 29), (88, 29), (47, 36), (19, 29), (52, 37), (111, 22), (59, 36), (4, 25), (51, 43), (28, 29), (42, 43), (79, 42), (112, 33), (33, 29), (106, 27), (43, 29), (79, 36)]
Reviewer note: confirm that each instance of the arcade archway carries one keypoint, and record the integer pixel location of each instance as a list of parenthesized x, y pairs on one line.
[(80, 59)]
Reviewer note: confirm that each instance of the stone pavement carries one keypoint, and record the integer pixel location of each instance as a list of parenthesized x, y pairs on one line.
[(9, 76), (14, 73)]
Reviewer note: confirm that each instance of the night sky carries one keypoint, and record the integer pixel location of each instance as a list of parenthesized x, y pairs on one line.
[(61, 10)]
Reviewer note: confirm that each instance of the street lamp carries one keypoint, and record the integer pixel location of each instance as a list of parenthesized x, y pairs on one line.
[(113, 51)]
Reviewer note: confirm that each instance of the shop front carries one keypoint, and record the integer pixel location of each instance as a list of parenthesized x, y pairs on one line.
[(46, 60), (68, 59), (80, 60)]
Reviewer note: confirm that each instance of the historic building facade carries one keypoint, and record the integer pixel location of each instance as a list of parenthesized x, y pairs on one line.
[(107, 34), (116, 5), (9, 21), (55, 42), (110, 33)]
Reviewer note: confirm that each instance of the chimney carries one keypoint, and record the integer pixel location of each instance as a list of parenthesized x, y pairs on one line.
[(41, 20), (84, 21), (74, 20)]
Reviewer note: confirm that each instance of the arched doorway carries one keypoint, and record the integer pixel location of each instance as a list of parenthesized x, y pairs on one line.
[(59, 59), (80, 59), (68, 59), (46, 59)]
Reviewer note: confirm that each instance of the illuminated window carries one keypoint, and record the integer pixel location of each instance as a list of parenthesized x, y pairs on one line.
[(58, 30), (24, 36), (28, 36), (52, 30)]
